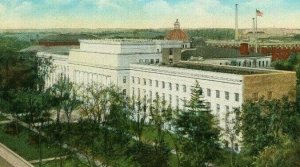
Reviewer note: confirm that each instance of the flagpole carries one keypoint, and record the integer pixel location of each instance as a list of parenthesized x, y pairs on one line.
[(256, 31)]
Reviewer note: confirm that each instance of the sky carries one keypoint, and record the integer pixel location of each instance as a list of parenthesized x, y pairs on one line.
[(39, 14)]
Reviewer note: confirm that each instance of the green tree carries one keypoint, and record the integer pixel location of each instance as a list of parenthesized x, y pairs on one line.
[(287, 153), (64, 97), (265, 122), (198, 132)]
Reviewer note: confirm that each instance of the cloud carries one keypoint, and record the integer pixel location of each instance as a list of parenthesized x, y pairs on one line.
[(25, 6), (58, 2), (102, 4), (2, 9)]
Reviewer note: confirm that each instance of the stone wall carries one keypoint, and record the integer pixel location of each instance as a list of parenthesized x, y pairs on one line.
[(279, 84)]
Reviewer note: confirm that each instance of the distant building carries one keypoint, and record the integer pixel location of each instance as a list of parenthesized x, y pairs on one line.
[(143, 69), (179, 35), (277, 49)]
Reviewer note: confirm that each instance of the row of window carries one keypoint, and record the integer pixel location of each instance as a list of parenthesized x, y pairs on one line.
[(171, 86), (149, 61), (251, 63), (157, 83), (227, 95), (163, 97), (255, 96)]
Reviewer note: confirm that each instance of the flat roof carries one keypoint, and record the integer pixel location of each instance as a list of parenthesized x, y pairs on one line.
[(222, 68)]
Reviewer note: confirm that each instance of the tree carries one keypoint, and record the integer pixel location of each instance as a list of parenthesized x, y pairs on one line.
[(231, 130), (298, 88), (287, 153), (160, 117), (107, 108), (198, 131), (64, 99), (265, 122)]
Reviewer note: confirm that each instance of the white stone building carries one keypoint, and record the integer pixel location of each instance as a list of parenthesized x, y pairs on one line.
[(136, 66)]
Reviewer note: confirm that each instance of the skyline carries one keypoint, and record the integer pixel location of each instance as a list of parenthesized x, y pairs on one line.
[(36, 14)]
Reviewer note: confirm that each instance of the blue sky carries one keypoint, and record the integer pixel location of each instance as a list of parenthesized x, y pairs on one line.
[(145, 13)]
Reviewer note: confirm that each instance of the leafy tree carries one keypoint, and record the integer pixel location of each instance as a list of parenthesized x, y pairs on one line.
[(107, 108), (231, 130), (198, 131), (264, 123), (87, 143), (298, 88), (64, 97), (287, 153)]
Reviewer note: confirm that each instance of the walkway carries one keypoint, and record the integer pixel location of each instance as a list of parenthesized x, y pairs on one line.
[(8, 158)]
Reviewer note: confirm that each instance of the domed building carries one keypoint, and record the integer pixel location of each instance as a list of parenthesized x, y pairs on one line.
[(178, 35)]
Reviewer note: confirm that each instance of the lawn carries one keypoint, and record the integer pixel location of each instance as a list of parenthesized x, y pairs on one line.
[(19, 144), (2, 118), (149, 134)]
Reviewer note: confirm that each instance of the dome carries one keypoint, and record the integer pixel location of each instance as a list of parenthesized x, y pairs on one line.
[(177, 33)]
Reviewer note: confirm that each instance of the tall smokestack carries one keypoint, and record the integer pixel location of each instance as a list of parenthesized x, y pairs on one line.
[(236, 23), (253, 31)]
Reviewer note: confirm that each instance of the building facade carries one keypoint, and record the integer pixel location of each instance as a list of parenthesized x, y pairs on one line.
[(146, 68)]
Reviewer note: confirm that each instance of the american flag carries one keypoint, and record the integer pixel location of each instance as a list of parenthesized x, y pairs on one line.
[(259, 13)]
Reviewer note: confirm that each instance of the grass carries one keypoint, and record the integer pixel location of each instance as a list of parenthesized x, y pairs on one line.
[(19, 144), (2, 118), (149, 134)]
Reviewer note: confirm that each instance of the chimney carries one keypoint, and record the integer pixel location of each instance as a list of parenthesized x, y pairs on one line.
[(236, 23)]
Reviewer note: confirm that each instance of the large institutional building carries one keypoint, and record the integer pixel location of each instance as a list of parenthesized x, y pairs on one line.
[(146, 68)]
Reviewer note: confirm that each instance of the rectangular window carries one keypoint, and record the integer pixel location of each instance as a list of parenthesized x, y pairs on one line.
[(124, 92), (150, 82), (170, 99), (208, 105), (132, 79), (139, 93), (144, 81), (255, 96), (177, 87), (184, 101), (156, 83), (237, 97), (150, 96), (217, 94), (227, 95), (170, 86), (227, 109), (157, 61), (124, 79), (139, 80), (171, 51), (269, 95), (145, 95), (152, 61), (133, 92), (218, 111), (147, 61), (184, 88), (177, 101), (163, 97), (163, 84), (208, 92)]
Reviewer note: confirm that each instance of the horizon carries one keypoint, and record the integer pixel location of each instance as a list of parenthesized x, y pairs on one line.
[(143, 14)]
